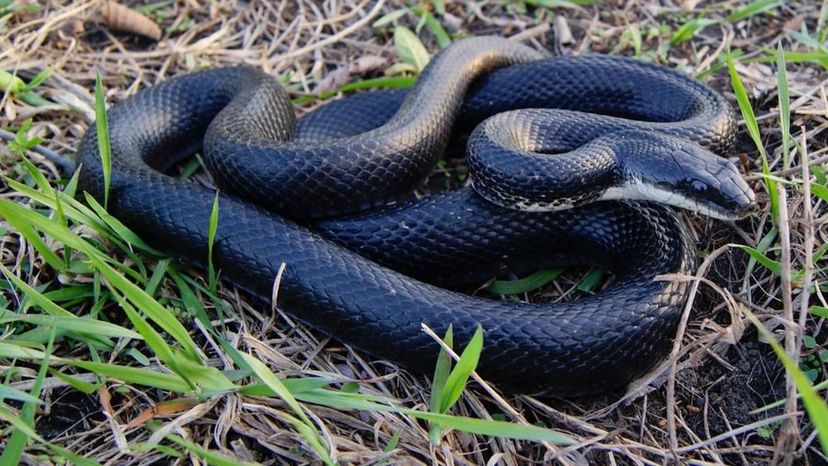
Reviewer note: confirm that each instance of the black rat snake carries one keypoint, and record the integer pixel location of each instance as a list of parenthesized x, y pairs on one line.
[(617, 128)]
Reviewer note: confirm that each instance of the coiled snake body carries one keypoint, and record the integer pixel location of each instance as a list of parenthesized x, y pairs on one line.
[(370, 278)]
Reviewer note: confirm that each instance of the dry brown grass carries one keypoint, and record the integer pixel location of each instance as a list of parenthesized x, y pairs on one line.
[(695, 409)]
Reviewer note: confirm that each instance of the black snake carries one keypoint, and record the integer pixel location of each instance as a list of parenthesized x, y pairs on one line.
[(616, 127)]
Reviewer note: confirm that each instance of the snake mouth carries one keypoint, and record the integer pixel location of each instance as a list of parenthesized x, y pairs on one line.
[(720, 213), (737, 207)]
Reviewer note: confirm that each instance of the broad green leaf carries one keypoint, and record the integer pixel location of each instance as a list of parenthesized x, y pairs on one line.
[(820, 191), (690, 28), (410, 49), (819, 311)]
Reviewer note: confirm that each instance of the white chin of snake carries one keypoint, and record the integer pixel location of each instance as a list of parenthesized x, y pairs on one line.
[(634, 190)]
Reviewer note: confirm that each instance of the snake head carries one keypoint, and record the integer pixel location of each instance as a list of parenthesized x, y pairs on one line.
[(677, 172)]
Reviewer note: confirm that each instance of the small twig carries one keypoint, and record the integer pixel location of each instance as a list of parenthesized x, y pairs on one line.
[(335, 37), (808, 227), (732, 433)]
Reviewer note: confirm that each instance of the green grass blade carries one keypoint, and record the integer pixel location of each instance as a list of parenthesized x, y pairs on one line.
[(135, 375), (503, 429), (466, 424), (17, 351), (819, 311), (12, 393), (210, 456), (441, 372), (689, 29), (195, 374), (20, 425), (153, 339), (770, 264), (818, 387), (118, 228), (755, 7), (73, 324), (456, 381), (102, 128), (385, 82), (37, 297), (40, 180), (494, 428), (526, 284), (158, 274), (753, 130), (591, 280), (440, 34), (269, 378), (211, 237), (784, 104), (815, 406), (116, 281), (209, 379), (72, 208), (294, 386), (820, 191), (389, 18), (18, 219), (22, 433), (76, 383)]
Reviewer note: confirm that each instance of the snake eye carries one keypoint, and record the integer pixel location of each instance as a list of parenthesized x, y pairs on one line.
[(698, 187)]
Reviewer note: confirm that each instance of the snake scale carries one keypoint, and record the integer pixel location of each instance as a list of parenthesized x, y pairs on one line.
[(582, 144)]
